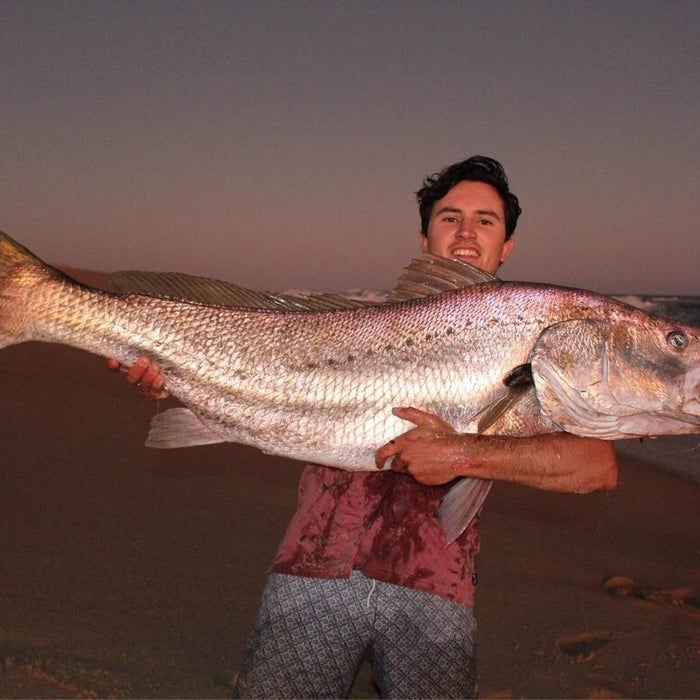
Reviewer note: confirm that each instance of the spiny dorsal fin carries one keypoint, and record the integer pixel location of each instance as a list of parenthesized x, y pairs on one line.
[(432, 274), (203, 290)]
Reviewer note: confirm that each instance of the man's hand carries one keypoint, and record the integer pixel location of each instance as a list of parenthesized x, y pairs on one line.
[(432, 452), (144, 374)]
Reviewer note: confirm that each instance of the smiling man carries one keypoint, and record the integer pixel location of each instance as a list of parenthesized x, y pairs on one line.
[(364, 567)]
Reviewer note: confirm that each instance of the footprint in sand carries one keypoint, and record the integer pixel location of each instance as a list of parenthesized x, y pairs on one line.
[(682, 599), (583, 646)]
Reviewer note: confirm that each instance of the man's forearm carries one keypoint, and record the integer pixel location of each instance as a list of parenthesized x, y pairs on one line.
[(433, 453), (556, 462)]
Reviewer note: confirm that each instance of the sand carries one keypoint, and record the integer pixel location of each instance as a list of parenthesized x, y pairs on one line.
[(128, 572)]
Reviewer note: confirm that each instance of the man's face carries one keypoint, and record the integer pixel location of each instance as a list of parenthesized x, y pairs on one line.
[(468, 224)]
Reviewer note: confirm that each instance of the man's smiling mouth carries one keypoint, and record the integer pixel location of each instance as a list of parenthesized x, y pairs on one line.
[(465, 253)]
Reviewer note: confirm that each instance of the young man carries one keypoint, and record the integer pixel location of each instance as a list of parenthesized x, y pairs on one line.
[(364, 566)]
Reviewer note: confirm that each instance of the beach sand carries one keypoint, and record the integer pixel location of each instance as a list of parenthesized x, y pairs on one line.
[(128, 572)]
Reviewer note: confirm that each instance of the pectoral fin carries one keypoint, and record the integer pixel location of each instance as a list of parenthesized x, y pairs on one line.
[(179, 427), (519, 381), (466, 497)]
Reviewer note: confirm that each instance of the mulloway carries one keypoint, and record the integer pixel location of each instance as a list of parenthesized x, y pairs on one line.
[(315, 378)]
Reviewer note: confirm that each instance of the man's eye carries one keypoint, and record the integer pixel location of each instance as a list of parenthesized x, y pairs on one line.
[(486, 222)]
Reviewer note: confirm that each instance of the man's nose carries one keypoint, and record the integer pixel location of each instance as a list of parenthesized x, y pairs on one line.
[(465, 230)]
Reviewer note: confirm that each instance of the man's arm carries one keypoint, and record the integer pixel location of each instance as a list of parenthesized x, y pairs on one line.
[(434, 453)]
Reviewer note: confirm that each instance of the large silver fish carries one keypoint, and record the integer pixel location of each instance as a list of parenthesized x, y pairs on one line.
[(310, 380)]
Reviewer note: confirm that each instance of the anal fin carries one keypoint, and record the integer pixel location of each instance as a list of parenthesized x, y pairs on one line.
[(179, 427)]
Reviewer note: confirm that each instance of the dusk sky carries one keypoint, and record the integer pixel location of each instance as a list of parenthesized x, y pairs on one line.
[(279, 144)]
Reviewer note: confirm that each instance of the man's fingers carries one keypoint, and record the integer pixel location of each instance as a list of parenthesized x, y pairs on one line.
[(427, 421), (426, 424), (407, 413), (391, 449), (154, 387), (152, 379), (135, 373), (383, 453), (398, 465), (145, 374)]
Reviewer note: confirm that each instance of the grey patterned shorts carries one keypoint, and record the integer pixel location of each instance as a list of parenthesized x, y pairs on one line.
[(311, 634)]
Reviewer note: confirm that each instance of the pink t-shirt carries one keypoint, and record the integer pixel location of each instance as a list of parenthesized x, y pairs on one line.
[(383, 524)]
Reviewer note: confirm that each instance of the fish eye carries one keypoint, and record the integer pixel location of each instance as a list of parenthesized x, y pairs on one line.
[(678, 340)]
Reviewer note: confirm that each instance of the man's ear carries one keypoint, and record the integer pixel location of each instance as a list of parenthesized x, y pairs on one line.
[(507, 249), (423, 242)]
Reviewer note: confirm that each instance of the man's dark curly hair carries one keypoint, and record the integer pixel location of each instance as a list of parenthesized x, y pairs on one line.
[(478, 169)]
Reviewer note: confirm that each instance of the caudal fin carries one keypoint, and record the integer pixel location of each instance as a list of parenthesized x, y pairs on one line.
[(13, 254), (20, 271)]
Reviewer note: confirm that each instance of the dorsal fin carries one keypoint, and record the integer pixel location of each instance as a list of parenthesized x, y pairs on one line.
[(432, 274), (203, 290)]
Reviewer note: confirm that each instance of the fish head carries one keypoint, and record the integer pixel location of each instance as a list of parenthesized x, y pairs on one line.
[(625, 376)]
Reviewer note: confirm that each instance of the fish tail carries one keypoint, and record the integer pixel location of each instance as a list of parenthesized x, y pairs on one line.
[(20, 272)]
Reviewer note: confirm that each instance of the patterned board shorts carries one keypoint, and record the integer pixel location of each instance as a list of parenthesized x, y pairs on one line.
[(311, 635)]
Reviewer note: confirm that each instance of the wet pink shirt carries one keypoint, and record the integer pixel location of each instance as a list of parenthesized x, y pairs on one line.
[(383, 524)]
